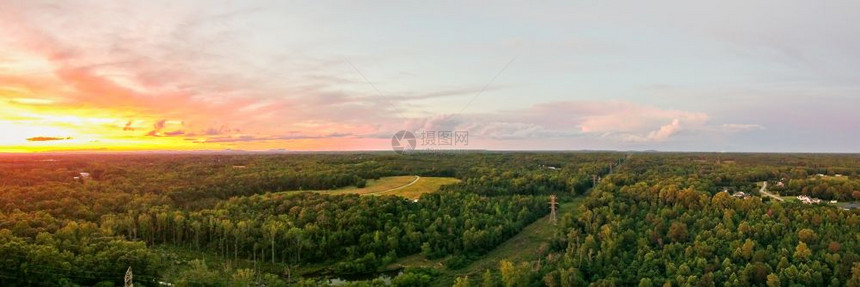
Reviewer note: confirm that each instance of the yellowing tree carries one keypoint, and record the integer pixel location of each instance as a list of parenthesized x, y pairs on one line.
[(747, 249), (509, 276), (802, 251), (462, 282), (772, 280)]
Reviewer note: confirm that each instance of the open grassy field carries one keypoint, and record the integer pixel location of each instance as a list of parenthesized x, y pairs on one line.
[(421, 186), (406, 186), (790, 199)]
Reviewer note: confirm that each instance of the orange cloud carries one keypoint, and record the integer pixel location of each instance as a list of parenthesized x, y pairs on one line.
[(44, 139)]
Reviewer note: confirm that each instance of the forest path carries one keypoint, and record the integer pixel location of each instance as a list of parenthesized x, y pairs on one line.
[(528, 245), (525, 246), (399, 187)]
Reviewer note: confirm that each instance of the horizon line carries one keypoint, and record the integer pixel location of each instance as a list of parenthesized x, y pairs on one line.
[(418, 152)]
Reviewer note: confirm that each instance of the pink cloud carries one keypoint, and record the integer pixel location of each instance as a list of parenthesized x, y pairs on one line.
[(659, 135), (609, 116), (183, 80), (624, 120), (172, 72), (621, 121)]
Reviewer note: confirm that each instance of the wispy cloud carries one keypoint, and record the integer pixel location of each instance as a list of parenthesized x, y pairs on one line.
[(45, 139), (742, 127), (613, 119), (181, 82), (247, 138), (213, 76)]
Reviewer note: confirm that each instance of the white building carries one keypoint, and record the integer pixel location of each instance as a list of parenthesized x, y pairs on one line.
[(808, 200)]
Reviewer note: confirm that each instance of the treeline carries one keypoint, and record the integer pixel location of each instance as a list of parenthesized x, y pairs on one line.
[(538, 174), (122, 182), (713, 173), (358, 233), (842, 188)]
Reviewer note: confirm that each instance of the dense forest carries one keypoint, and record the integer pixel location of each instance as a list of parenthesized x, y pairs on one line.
[(667, 220), (85, 219), (251, 220)]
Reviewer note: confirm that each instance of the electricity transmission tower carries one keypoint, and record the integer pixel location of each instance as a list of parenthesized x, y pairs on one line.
[(552, 206), (129, 282)]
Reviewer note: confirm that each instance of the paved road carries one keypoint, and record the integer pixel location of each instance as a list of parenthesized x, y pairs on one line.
[(764, 192)]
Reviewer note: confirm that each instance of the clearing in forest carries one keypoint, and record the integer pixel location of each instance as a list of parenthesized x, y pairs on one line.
[(408, 186)]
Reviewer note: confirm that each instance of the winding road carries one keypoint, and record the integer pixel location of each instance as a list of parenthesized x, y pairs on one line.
[(764, 192), (399, 187)]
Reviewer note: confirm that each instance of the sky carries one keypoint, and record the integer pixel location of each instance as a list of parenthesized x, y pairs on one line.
[(724, 76)]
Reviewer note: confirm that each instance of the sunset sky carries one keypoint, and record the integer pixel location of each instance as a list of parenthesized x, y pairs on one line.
[(778, 76)]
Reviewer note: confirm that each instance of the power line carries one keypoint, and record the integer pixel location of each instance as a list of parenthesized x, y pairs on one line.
[(488, 84), (362, 76)]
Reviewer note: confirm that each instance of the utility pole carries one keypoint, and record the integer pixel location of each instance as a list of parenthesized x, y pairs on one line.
[(552, 206), (129, 282)]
